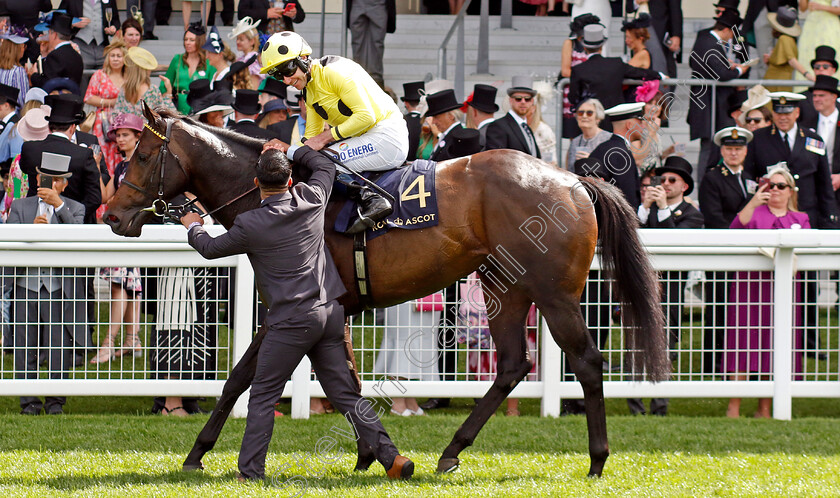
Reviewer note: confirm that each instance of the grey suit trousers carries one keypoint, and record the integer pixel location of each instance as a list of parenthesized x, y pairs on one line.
[(39, 323), (318, 334), (368, 26)]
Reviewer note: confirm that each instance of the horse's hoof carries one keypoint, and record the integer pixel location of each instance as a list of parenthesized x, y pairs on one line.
[(193, 466), (447, 465)]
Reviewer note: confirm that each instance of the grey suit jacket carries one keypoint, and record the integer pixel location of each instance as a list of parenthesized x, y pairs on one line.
[(284, 239)]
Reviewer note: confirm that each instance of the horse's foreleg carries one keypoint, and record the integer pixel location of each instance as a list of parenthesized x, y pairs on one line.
[(570, 332), (238, 382), (508, 331)]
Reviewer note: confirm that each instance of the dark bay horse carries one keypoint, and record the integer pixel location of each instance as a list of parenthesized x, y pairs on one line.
[(528, 228)]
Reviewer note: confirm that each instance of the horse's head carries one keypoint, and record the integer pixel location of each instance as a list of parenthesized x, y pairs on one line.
[(154, 176)]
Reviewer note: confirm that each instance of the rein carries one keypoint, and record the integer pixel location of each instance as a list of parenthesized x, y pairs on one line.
[(160, 207)]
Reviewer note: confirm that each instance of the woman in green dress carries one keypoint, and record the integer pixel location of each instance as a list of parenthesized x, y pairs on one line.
[(187, 67)]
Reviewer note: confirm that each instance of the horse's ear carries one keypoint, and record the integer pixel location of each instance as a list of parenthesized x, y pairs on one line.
[(154, 119)]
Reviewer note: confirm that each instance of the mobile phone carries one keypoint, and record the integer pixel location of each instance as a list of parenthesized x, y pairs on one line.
[(762, 182), (655, 181), (289, 6), (46, 181)]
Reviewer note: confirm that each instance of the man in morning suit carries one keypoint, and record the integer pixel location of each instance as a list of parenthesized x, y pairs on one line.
[(805, 153), (824, 63), (480, 110), (84, 186), (601, 77), (442, 109), (512, 131), (664, 206), (48, 303), (62, 61), (666, 18), (708, 61), (93, 28), (825, 122), (246, 107), (413, 120), (724, 192), (297, 279)]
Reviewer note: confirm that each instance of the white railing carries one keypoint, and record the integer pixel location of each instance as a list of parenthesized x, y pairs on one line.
[(781, 252)]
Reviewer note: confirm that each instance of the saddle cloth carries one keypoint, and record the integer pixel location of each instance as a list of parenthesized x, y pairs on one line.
[(415, 200)]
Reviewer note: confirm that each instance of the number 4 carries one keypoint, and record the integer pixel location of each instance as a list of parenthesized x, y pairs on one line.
[(421, 194)]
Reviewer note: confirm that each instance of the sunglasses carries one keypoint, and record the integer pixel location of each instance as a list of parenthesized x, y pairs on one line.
[(284, 69), (823, 66), (520, 99), (586, 113), (754, 120), (777, 186)]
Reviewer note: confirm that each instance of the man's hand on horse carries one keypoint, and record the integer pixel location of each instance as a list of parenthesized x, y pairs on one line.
[(320, 140), (275, 143), (190, 218)]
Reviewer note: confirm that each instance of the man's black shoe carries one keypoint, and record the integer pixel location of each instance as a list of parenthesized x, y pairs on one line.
[(150, 36), (371, 209), (31, 410), (435, 403), (55, 410)]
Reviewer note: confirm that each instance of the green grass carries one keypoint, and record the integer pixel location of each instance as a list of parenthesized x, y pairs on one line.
[(686, 453)]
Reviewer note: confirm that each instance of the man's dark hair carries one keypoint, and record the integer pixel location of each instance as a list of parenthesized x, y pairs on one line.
[(60, 127), (273, 169)]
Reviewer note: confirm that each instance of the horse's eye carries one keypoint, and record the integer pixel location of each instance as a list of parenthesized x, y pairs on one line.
[(143, 157)]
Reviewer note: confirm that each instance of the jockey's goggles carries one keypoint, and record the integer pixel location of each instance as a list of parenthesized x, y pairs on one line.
[(285, 69)]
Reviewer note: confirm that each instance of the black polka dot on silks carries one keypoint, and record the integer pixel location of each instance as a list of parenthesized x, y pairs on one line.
[(266, 47), (283, 49), (286, 33)]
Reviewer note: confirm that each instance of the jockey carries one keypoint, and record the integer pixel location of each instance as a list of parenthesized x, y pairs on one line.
[(364, 122)]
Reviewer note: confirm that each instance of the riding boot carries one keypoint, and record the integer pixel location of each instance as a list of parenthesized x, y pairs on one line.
[(370, 206)]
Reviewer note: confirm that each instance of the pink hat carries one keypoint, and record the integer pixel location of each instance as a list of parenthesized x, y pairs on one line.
[(130, 121), (33, 125)]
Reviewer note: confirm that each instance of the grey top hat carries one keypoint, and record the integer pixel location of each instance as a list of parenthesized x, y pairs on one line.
[(55, 165), (594, 35), (521, 84)]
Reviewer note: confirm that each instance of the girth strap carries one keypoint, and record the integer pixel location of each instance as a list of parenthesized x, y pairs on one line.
[(360, 264)]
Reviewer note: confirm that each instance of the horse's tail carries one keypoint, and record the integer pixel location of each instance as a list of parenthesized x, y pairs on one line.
[(636, 283)]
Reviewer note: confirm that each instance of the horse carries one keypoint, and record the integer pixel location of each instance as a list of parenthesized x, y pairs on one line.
[(528, 228)]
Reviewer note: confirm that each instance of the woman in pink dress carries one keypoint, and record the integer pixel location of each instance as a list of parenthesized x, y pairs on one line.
[(749, 335), (102, 92)]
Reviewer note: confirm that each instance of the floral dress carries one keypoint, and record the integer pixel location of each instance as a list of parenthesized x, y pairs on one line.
[(101, 86), (152, 97), (16, 186), (127, 278)]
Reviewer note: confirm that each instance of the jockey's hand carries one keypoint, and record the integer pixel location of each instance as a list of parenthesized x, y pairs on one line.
[(320, 140), (275, 143), (190, 218)]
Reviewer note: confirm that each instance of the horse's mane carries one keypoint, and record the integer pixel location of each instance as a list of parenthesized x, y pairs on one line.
[(229, 135)]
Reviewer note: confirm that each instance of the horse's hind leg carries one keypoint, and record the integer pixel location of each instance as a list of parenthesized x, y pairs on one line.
[(238, 382), (507, 328), (570, 333)]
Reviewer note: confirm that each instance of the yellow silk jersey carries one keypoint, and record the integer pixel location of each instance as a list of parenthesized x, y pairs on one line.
[(341, 94)]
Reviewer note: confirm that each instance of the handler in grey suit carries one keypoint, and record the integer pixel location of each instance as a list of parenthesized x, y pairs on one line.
[(297, 279), (45, 300)]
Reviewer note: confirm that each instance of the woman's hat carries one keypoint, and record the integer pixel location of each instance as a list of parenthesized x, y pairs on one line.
[(824, 53), (142, 58), (680, 166), (240, 66), (757, 96), (62, 84), (54, 165), (35, 93), (826, 83), (643, 21), (214, 42), (16, 34), (130, 121), (441, 102), (292, 98), (215, 101), (784, 21), (580, 22), (66, 109), (197, 29), (594, 35), (243, 26), (33, 125), (484, 98), (247, 102)]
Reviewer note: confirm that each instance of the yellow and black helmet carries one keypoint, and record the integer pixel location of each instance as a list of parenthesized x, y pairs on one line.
[(283, 51)]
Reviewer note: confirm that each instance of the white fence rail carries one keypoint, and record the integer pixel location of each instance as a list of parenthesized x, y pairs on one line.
[(785, 260)]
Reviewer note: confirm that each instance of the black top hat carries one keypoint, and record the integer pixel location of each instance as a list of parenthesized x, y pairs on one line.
[(823, 82), (198, 89), (441, 102), (728, 4), (55, 165), (217, 100), (736, 99), (643, 21), (484, 98), (462, 142), (730, 18), (62, 24), (411, 91), (680, 166), (274, 87), (825, 53), (66, 109), (223, 85), (247, 102), (9, 93)]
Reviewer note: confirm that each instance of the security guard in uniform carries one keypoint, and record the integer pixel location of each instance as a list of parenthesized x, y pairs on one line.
[(806, 156), (723, 193), (368, 126)]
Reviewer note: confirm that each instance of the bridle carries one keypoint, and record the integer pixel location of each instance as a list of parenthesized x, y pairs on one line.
[(159, 206)]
